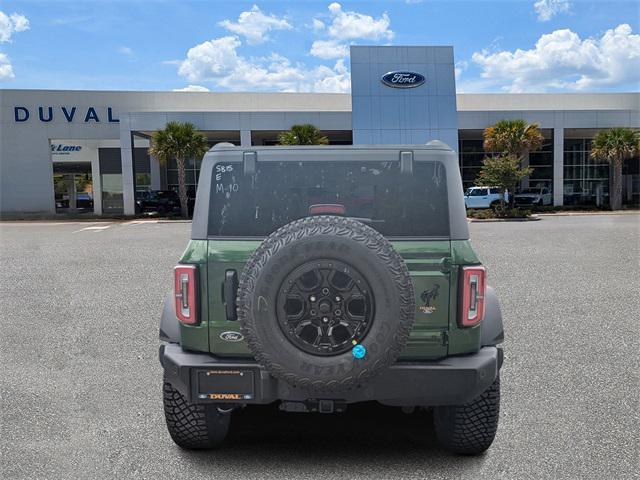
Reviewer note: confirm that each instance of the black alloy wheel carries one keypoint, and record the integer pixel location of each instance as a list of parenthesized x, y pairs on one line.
[(325, 307)]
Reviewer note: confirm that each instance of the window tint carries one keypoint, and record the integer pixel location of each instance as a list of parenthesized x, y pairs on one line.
[(495, 191), (394, 204)]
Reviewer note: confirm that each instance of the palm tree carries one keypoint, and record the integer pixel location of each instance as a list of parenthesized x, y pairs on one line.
[(303, 135), (513, 139), (180, 141), (615, 146)]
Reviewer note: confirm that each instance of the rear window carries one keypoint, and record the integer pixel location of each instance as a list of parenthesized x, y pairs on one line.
[(395, 204)]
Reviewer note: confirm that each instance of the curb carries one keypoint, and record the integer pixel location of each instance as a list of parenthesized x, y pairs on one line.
[(490, 220), (571, 214)]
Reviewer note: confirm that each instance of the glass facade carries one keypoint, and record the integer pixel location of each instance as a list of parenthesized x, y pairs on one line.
[(631, 182), (73, 187), (192, 173), (142, 169), (542, 163), (586, 181), (111, 180), (471, 155)]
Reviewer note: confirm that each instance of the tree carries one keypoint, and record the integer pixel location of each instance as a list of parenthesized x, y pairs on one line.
[(303, 135), (503, 172), (180, 141), (615, 146), (514, 139)]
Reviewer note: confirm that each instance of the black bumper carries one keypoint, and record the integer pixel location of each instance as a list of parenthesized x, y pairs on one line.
[(204, 378)]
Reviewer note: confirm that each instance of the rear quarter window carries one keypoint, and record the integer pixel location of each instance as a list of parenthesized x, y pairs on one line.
[(395, 204)]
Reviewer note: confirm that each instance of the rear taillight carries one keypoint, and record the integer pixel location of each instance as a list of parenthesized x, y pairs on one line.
[(185, 291), (473, 292)]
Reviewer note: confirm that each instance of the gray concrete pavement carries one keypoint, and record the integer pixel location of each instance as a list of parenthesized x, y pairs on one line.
[(80, 383)]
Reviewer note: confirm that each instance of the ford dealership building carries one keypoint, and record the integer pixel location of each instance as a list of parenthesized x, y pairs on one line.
[(71, 151)]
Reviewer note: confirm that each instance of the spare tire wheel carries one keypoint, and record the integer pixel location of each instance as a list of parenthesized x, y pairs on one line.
[(326, 303)]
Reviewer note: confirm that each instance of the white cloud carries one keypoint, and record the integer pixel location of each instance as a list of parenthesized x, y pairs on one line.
[(317, 25), (10, 24), (460, 67), (547, 9), (217, 61), (6, 70), (125, 51), (192, 88), (562, 60), (346, 26), (352, 25), (254, 25), (329, 49), (336, 79), (211, 59)]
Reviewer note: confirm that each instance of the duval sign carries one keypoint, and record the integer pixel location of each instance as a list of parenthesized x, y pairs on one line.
[(67, 113), (401, 79)]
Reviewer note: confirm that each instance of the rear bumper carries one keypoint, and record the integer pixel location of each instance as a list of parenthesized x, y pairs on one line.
[(204, 378)]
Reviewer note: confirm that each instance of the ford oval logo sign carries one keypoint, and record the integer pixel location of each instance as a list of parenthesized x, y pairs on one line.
[(403, 79), (231, 336)]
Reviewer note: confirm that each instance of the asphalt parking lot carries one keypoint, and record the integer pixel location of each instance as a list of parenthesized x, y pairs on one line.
[(80, 383)]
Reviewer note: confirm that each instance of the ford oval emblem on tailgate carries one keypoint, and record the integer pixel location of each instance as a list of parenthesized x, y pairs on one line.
[(403, 79), (232, 336)]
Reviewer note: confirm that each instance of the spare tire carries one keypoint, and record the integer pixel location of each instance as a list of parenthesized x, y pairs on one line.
[(326, 303)]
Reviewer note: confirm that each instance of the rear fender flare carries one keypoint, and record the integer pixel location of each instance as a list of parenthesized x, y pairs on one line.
[(491, 330), (169, 323)]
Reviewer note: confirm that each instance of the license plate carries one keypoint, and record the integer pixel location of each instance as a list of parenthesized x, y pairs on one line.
[(225, 385)]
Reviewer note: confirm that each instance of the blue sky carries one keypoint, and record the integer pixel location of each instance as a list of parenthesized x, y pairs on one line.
[(500, 46)]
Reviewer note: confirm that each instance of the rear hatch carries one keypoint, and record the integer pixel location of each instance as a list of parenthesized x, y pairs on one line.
[(410, 210)]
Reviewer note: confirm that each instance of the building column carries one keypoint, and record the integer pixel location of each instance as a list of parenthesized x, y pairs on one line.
[(126, 158), (245, 138), (96, 181), (154, 165), (558, 167)]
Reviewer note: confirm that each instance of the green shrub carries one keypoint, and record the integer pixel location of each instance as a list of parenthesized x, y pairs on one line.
[(504, 213)]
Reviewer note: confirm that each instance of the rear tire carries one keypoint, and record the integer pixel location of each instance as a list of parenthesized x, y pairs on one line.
[(193, 426), (469, 429)]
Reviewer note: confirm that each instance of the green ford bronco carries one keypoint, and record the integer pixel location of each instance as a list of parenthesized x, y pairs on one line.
[(317, 277)]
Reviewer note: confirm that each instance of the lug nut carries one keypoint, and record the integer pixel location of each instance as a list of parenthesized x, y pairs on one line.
[(338, 298), (325, 319), (312, 298), (312, 312), (337, 313), (325, 290)]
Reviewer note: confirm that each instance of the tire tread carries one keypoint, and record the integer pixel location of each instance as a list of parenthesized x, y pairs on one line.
[(469, 429), (193, 426)]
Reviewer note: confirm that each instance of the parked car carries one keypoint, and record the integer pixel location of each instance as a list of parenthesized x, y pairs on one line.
[(84, 201), (483, 197), (161, 202), (533, 196), (316, 306)]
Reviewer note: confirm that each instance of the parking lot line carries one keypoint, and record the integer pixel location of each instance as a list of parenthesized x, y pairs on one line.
[(94, 228)]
